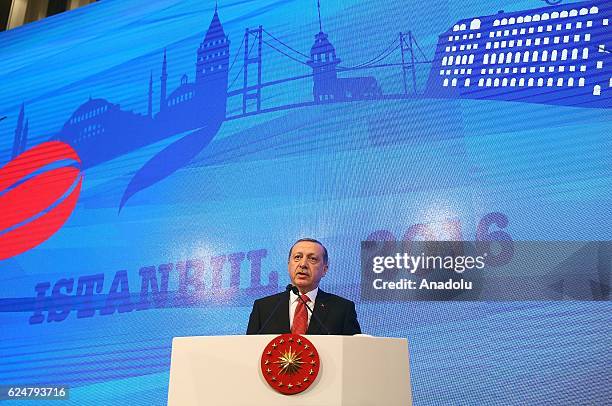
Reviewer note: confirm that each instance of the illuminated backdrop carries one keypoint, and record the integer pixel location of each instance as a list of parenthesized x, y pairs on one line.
[(209, 139)]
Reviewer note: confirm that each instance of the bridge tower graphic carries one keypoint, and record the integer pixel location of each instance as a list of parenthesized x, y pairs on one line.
[(252, 92), (408, 44)]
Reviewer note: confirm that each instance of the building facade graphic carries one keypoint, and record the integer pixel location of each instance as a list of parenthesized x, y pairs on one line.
[(552, 55)]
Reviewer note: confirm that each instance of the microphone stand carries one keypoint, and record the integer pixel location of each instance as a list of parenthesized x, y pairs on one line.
[(287, 289)]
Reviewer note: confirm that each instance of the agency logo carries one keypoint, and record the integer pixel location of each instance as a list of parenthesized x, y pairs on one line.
[(38, 192)]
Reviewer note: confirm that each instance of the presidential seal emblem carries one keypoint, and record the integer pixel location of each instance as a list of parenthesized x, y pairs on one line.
[(290, 363)]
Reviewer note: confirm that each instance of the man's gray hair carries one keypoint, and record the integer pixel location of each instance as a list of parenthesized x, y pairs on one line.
[(325, 257)]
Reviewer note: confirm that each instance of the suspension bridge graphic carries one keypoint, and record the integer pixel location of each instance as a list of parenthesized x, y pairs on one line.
[(328, 75)]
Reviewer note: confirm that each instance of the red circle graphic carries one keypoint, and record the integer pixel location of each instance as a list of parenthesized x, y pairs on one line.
[(290, 363), (38, 192)]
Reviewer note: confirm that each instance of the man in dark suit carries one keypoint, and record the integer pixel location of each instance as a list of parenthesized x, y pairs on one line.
[(285, 312)]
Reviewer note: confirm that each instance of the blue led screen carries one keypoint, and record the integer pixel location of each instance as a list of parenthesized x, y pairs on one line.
[(189, 144)]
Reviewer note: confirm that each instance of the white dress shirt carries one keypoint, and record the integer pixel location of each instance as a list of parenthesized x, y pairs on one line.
[(294, 300)]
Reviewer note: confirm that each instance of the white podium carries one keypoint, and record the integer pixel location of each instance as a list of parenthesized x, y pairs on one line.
[(226, 370)]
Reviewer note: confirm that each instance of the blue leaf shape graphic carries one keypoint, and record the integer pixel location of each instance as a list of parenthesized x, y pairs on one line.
[(169, 160)]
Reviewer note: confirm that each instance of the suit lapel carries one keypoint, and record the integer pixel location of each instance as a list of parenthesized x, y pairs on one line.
[(320, 310), (282, 318)]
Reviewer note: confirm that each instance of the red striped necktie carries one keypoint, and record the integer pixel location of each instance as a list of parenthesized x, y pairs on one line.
[(300, 318)]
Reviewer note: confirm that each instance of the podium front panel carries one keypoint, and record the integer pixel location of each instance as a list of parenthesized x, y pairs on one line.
[(226, 370)]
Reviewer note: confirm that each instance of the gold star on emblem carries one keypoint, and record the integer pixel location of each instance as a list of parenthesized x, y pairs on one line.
[(268, 370), (299, 341), (313, 362), (311, 354), (290, 362), (280, 384), (274, 378), (269, 353), (274, 345), (290, 339), (267, 362), (306, 347), (290, 386), (281, 341), (311, 371), (305, 379), (299, 384)]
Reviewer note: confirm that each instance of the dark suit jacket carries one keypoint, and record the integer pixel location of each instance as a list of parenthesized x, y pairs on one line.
[(336, 313)]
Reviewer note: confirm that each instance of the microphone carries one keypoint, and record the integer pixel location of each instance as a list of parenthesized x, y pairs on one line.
[(287, 289), (295, 290)]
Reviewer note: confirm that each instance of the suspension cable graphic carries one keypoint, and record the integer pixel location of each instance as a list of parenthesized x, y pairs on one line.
[(284, 53), (418, 46), (377, 58), (241, 67), (236, 57), (288, 46)]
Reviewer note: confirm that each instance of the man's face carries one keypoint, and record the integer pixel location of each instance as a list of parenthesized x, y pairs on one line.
[(306, 265)]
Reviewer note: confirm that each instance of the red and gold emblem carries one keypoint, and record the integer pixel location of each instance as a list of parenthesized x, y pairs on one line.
[(290, 363)]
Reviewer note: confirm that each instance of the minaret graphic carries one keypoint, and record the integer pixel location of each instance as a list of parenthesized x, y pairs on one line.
[(19, 141), (163, 78), (150, 108), (24, 136)]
